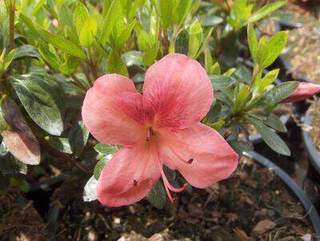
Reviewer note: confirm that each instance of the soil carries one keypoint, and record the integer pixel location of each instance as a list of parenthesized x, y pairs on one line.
[(251, 205), (303, 47)]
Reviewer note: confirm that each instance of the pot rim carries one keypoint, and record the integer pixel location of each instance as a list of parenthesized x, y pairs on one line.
[(309, 144)]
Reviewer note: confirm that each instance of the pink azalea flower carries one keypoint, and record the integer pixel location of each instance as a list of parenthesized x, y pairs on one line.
[(303, 91), (160, 127)]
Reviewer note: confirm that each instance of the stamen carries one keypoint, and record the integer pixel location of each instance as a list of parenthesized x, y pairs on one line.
[(190, 160), (168, 185), (149, 134)]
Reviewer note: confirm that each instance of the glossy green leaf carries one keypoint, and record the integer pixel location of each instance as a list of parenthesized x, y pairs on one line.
[(26, 51), (41, 97), (78, 137), (90, 190), (271, 138), (133, 58), (275, 123)]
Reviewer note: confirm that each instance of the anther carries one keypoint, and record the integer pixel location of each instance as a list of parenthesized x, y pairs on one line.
[(135, 182), (190, 161)]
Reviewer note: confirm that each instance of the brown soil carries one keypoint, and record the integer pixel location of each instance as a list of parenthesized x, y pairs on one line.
[(303, 47), (19, 219), (303, 51), (251, 205)]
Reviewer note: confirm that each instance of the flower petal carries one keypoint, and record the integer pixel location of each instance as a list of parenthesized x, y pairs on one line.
[(112, 110), (199, 153), (177, 91), (303, 91), (128, 177)]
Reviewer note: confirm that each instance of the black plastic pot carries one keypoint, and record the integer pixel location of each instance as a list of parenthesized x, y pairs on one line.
[(313, 153), (291, 184)]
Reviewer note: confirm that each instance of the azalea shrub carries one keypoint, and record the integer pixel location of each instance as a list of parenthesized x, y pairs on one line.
[(144, 98)]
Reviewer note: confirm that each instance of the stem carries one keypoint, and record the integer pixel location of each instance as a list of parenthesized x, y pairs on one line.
[(256, 70), (166, 42), (78, 82), (11, 23), (62, 156), (93, 66)]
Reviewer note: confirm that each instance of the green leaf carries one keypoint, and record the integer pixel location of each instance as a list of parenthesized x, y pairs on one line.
[(88, 32), (271, 138), (157, 196), (164, 9), (41, 97), (221, 82), (9, 58), (3, 123), (252, 41), (100, 165), (50, 56), (275, 123), (281, 91), (112, 15), (195, 38), (267, 80), (268, 52), (124, 35), (78, 137), (133, 58), (106, 149), (80, 16), (116, 64), (63, 44), (182, 10), (211, 20), (26, 51), (265, 11)]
